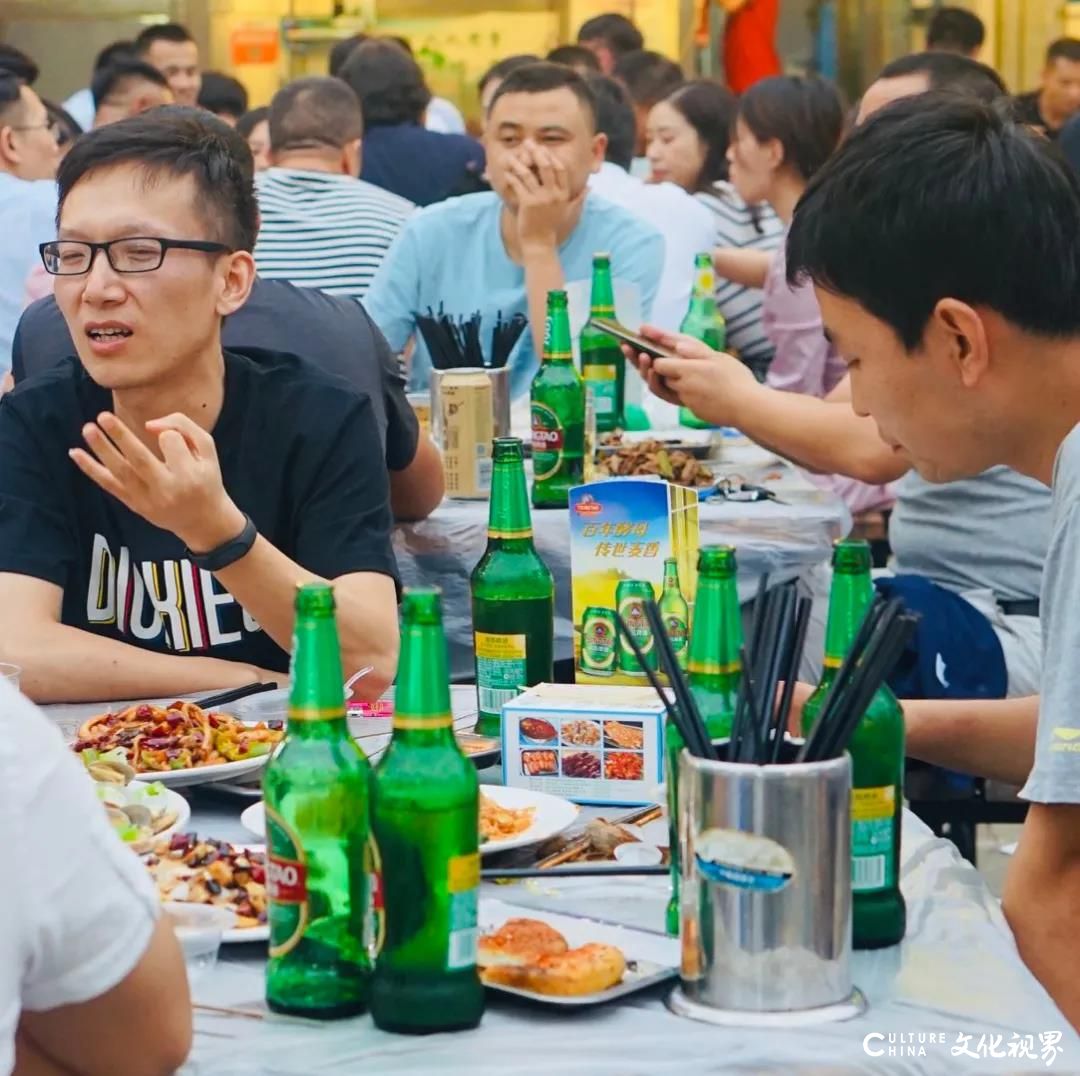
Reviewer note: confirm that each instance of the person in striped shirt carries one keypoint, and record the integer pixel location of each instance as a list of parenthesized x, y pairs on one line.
[(688, 135), (322, 226)]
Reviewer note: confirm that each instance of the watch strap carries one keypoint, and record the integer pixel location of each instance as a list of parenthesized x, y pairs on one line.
[(228, 552)]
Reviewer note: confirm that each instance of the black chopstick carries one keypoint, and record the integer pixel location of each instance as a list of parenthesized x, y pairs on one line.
[(684, 697), (767, 677), (791, 674), (490, 874), (232, 696)]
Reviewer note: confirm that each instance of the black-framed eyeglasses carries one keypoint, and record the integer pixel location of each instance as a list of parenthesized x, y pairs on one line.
[(134, 254)]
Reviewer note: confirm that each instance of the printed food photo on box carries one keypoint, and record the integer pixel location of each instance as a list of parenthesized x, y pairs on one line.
[(630, 540), (589, 743)]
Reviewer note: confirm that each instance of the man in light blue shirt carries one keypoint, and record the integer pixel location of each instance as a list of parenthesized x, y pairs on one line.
[(502, 252), (28, 159)]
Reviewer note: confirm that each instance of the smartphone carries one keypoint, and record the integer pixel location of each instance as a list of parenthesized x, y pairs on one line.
[(624, 335)]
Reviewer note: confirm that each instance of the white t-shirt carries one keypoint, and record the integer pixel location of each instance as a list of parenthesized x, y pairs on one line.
[(77, 908)]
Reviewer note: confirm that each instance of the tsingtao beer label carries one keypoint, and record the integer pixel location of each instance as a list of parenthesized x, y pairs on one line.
[(548, 441), (286, 884)]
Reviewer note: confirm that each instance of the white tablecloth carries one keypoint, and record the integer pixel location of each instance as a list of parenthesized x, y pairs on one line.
[(956, 973)]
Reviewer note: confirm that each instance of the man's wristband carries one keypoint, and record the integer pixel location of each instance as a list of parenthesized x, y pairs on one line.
[(228, 552)]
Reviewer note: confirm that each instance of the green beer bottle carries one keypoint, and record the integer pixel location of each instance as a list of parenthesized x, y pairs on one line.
[(877, 759), (425, 819), (674, 611), (320, 859), (603, 366), (513, 595), (715, 668), (703, 322), (557, 401)]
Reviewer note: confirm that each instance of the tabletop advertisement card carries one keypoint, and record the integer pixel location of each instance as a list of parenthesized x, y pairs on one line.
[(622, 531), (596, 744)]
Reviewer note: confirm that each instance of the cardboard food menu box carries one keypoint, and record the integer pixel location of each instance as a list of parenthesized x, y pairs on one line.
[(621, 532), (591, 744)]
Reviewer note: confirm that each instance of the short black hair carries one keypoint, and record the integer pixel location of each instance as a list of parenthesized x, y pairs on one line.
[(542, 77), (162, 31), (114, 53), (710, 109), (616, 31), (108, 80), (10, 93), (648, 76), (1065, 48), (576, 56), (614, 118), (955, 29), (950, 71), (342, 50), (250, 120), (67, 126), (15, 62), (952, 200), (388, 83), (314, 111), (223, 95), (176, 141), (504, 67), (805, 114)]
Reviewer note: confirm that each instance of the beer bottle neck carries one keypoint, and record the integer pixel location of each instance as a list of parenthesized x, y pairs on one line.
[(509, 520), (717, 633), (671, 577), (317, 697), (422, 696), (849, 599), (557, 348), (602, 300)]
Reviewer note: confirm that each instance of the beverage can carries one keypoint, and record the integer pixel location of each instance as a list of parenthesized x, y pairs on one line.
[(466, 428)]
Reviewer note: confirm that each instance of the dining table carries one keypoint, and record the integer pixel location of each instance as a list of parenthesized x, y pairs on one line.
[(952, 997)]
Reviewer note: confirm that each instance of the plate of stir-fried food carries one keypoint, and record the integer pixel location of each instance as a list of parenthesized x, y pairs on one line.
[(180, 744)]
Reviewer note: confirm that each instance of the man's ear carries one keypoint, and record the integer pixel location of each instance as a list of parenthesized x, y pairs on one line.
[(236, 283), (961, 328)]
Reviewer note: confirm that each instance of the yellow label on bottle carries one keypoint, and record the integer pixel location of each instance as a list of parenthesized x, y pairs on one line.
[(598, 372), (316, 713), (422, 721), (873, 804), (705, 281), (463, 873), (500, 647), (713, 668), (832, 663), (524, 532)]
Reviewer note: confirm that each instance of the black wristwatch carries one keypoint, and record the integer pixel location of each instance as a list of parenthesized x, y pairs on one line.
[(228, 552)]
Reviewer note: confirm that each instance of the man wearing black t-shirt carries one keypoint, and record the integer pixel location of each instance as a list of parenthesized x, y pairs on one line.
[(160, 502), (1057, 100)]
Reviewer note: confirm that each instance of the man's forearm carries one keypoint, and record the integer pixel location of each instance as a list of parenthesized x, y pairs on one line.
[(746, 267), (264, 582), (828, 438), (64, 664), (543, 273), (993, 739), (417, 490)]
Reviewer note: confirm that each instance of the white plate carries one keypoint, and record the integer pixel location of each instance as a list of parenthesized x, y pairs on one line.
[(651, 958), (204, 775), (553, 815)]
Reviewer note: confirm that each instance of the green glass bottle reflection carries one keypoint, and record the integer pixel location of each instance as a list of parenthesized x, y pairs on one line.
[(513, 595), (714, 670), (425, 819), (321, 865), (877, 759), (703, 322), (603, 365), (557, 400)]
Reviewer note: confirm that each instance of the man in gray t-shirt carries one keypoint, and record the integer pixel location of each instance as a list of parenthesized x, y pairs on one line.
[(944, 245)]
